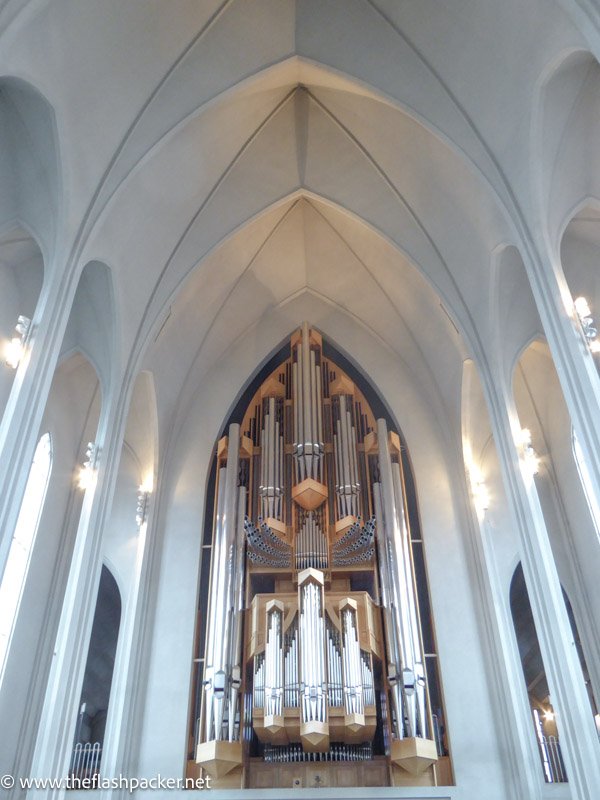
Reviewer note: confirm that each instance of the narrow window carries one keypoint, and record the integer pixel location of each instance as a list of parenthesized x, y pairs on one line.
[(534, 673), (586, 482), (13, 579)]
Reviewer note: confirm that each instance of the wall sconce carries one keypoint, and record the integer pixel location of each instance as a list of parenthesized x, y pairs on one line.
[(87, 473), (530, 462), (15, 348), (479, 491), (587, 324), (143, 501)]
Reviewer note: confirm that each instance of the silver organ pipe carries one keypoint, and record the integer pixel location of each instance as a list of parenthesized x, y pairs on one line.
[(291, 667), (390, 621), (346, 465), (308, 568), (237, 621), (405, 670), (353, 682), (259, 681), (417, 660), (274, 664), (308, 414), (271, 479), (213, 607), (312, 662), (311, 543), (334, 667), (222, 680), (367, 678)]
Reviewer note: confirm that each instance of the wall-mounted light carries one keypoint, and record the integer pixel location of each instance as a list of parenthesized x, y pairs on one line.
[(530, 462), (590, 331), (479, 491), (87, 473), (143, 501), (15, 348), (549, 715)]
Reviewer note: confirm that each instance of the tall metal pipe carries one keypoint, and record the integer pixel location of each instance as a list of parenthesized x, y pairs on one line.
[(214, 610), (406, 666), (390, 621), (219, 656), (306, 399), (312, 642), (273, 664), (237, 616), (297, 415), (313, 418)]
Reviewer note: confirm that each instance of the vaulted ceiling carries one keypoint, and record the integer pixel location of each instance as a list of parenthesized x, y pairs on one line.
[(229, 159)]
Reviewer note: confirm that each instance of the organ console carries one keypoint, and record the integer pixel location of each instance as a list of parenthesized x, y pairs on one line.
[(313, 649)]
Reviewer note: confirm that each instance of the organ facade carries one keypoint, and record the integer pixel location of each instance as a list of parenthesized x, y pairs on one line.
[(311, 646)]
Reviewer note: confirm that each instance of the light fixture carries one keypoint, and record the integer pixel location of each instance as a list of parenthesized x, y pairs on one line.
[(549, 715), (144, 492), (479, 491), (87, 473), (530, 462), (588, 326), (15, 348)]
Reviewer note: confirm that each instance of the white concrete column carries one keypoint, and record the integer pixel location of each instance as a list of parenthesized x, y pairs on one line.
[(574, 363), (513, 719), (24, 411), (124, 694), (59, 714), (579, 740)]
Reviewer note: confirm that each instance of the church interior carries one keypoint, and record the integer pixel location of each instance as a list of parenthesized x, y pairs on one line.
[(299, 399)]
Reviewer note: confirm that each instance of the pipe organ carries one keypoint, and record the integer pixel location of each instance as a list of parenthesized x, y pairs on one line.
[(313, 648)]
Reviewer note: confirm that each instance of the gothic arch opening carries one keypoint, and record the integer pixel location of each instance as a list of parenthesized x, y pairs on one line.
[(97, 681), (534, 674), (315, 642)]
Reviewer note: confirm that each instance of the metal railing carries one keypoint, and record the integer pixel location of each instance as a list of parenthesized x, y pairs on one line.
[(552, 760), (85, 761)]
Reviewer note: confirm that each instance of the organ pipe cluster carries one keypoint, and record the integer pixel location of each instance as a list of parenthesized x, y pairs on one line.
[(406, 674), (223, 674), (308, 414), (346, 464), (312, 611), (313, 680), (271, 473)]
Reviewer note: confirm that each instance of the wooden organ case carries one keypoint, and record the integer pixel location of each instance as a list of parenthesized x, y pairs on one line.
[(313, 649)]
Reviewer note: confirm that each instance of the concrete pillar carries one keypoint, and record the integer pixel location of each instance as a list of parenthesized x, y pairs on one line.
[(579, 740), (574, 363), (57, 723), (24, 411)]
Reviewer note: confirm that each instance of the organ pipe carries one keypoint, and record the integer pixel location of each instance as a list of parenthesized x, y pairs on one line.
[(274, 665), (312, 662), (405, 668), (312, 613), (271, 484), (223, 655), (346, 465), (353, 679), (308, 415)]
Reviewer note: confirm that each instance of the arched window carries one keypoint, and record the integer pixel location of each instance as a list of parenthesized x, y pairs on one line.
[(534, 673), (586, 482), (22, 543), (97, 681)]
